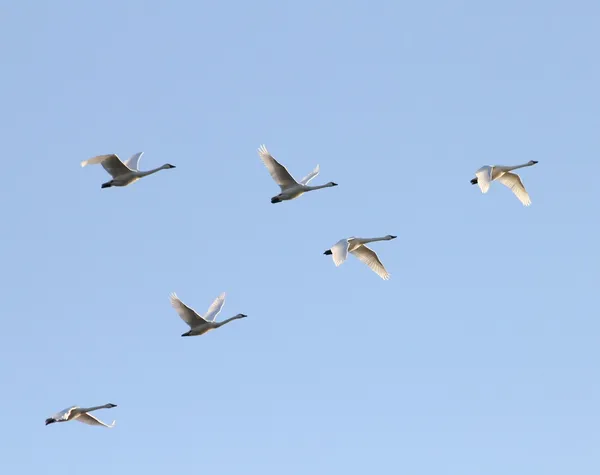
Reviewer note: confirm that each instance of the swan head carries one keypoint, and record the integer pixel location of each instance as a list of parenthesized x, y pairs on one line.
[(166, 166), (110, 405), (332, 184), (50, 421), (328, 252), (241, 315), (532, 162), (390, 237), (275, 199)]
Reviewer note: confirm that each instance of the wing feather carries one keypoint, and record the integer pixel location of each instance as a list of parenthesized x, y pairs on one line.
[(339, 252), (133, 161), (278, 172), (369, 257), (111, 163), (187, 314), (306, 180), (93, 421), (484, 178), (215, 308), (514, 183)]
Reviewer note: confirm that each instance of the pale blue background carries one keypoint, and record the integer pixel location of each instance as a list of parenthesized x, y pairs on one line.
[(479, 357)]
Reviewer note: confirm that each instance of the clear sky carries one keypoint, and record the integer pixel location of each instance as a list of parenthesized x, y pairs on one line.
[(479, 356)]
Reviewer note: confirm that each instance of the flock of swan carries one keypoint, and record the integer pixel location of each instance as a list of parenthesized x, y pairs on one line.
[(126, 173)]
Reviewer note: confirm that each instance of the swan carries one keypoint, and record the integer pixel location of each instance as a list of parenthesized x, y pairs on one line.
[(199, 325), (123, 173), (290, 188), (82, 415), (485, 175), (357, 247)]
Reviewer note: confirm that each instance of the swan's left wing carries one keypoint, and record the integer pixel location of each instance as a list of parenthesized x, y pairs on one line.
[(187, 314), (133, 161), (513, 181), (91, 420), (368, 256), (339, 252), (64, 414), (310, 176), (484, 178), (111, 163), (215, 308), (278, 172)]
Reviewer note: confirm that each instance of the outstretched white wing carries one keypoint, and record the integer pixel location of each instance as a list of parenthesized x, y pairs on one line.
[(64, 414), (215, 308), (513, 181), (484, 178), (278, 172), (93, 421), (133, 161), (368, 256), (111, 163), (310, 176), (339, 252), (187, 314)]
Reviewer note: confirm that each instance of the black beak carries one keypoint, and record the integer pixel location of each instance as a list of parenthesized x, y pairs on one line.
[(334, 184), (534, 161), (50, 421), (394, 237)]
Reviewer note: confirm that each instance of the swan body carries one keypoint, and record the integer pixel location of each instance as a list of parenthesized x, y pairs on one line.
[(81, 414), (356, 246), (290, 188), (123, 174), (200, 325), (485, 175)]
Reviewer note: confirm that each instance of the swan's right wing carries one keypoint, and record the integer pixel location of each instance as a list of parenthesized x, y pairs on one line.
[(187, 314), (310, 176), (93, 421), (339, 252), (368, 256), (111, 163), (484, 178), (133, 161), (513, 181), (215, 308), (278, 172)]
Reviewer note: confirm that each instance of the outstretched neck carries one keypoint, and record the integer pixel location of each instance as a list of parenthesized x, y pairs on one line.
[(220, 324), (516, 167), (318, 187), (93, 408), (366, 240), (150, 172)]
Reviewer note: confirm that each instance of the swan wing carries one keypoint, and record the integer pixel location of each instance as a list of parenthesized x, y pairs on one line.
[(310, 176), (484, 178), (513, 181), (368, 256), (279, 173), (339, 252), (215, 308), (93, 421), (111, 163), (187, 314), (133, 161), (64, 414)]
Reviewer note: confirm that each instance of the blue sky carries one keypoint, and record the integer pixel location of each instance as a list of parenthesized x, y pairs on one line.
[(479, 356)]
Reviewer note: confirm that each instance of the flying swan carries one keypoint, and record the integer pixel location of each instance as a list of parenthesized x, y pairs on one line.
[(81, 414), (199, 325), (290, 188), (123, 174), (485, 175), (356, 246)]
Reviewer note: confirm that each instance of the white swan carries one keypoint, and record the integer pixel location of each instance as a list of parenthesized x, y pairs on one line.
[(357, 247), (82, 415), (123, 173), (485, 175), (290, 188), (199, 325)]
